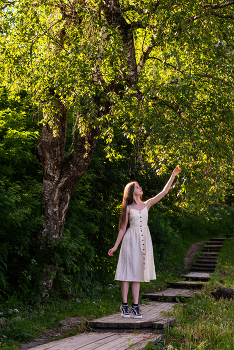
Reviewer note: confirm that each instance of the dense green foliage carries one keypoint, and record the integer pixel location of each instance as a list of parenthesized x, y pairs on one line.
[(175, 94), (92, 220)]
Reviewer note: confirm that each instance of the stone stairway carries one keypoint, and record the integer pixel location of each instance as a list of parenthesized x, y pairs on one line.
[(116, 333)]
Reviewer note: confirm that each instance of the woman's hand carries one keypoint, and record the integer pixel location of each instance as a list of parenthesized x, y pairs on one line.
[(111, 251), (176, 171)]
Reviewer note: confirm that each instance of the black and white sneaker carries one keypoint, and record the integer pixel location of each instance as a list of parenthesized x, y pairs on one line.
[(135, 311), (124, 311)]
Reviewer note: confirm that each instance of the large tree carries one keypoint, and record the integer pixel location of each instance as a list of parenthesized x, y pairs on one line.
[(160, 70)]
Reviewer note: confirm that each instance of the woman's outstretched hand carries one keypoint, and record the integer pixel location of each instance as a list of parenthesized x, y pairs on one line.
[(111, 251), (176, 171)]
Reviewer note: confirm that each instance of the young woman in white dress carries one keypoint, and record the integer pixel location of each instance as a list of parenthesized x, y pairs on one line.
[(136, 260)]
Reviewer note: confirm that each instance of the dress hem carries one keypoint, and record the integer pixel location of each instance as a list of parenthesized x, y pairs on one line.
[(152, 279)]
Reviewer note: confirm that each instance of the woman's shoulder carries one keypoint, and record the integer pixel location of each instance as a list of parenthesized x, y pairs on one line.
[(128, 209)]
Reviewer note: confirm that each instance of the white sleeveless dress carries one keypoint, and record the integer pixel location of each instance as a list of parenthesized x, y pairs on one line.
[(136, 258)]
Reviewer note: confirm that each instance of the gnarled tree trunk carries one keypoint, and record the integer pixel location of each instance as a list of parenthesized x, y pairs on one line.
[(61, 175)]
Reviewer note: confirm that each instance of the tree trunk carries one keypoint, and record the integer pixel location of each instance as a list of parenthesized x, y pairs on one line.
[(223, 292), (60, 178)]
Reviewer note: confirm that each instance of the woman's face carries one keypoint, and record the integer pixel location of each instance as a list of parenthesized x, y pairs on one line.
[(137, 190)]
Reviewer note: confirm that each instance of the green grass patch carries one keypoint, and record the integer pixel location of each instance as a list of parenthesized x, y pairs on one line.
[(204, 323)]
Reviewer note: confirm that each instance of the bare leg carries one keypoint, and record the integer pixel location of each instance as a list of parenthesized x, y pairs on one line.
[(135, 292), (124, 289)]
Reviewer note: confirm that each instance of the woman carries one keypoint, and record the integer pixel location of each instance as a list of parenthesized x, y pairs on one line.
[(136, 260)]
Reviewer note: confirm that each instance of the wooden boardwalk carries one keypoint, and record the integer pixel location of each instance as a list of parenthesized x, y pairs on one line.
[(152, 318), (116, 333), (103, 341), (172, 294)]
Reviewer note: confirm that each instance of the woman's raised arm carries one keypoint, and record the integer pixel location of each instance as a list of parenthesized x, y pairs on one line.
[(161, 194)]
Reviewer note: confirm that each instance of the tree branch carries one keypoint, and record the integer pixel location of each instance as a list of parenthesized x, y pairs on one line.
[(225, 82), (7, 3), (144, 58), (38, 36), (191, 19), (164, 62), (220, 15), (113, 15), (170, 82), (218, 6), (170, 105)]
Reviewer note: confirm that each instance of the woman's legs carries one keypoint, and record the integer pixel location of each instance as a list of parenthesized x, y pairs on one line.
[(135, 292), (124, 289)]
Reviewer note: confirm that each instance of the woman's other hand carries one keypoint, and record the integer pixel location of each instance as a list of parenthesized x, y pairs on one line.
[(111, 251)]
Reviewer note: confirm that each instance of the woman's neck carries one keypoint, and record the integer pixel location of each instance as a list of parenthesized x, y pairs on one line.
[(137, 200)]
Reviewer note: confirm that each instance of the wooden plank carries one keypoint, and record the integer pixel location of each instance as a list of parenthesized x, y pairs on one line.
[(151, 312), (198, 276), (103, 341), (199, 269), (187, 284), (170, 293), (76, 342), (218, 239)]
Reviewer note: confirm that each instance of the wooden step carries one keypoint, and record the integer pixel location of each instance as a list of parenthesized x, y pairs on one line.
[(197, 276), (200, 264), (152, 318), (103, 341), (202, 269), (209, 255), (210, 250), (169, 294), (206, 261), (230, 235), (187, 284), (214, 243), (212, 246), (221, 239)]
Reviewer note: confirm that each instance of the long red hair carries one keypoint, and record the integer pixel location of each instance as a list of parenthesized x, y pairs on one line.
[(127, 200)]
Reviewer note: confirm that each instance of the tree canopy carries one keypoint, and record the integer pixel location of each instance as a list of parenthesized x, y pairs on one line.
[(160, 70)]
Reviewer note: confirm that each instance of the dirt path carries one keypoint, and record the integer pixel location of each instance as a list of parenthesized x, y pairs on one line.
[(191, 254)]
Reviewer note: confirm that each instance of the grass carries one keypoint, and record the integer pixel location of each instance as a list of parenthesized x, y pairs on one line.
[(202, 324)]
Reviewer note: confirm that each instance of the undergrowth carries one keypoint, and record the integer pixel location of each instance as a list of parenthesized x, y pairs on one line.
[(204, 323)]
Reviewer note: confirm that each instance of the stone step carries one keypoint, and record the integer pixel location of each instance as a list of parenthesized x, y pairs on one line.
[(212, 246), (187, 284), (104, 341), (197, 276), (152, 319), (169, 294), (230, 235)]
